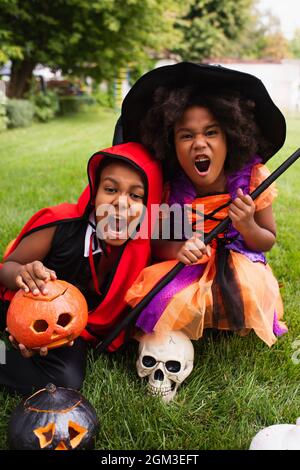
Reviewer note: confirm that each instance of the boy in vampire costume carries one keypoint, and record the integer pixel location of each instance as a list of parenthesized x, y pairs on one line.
[(62, 242)]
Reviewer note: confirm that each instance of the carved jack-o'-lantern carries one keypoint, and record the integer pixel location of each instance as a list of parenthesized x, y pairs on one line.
[(54, 418), (50, 320)]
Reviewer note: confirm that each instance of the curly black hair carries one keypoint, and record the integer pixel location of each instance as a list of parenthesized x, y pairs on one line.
[(234, 113)]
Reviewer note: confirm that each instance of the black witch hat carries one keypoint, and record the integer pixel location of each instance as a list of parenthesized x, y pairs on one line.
[(139, 99)]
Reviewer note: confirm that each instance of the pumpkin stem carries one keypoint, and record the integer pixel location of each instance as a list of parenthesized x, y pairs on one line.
[(50, 388)]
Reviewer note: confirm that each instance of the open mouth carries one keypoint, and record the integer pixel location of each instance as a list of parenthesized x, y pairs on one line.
[(202, 165), (116, 224)]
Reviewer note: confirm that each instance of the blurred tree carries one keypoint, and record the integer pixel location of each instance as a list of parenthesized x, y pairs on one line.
[(210, 26), (276, 47), (87, 37), (7, 50), (261, 38), (294, 44)]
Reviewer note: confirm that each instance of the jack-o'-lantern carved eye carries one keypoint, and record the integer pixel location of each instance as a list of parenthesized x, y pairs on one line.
[(39, 326), (76, 434), (45, 435), (64, 319)]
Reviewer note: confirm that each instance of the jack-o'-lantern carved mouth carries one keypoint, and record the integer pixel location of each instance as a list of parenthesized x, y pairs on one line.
[(60, 342)]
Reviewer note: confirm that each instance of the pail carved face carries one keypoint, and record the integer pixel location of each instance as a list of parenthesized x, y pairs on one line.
[(50, 320), (54, 418)]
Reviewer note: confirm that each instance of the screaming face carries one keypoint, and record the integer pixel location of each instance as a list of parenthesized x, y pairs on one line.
[(201, 149), (119, 203)]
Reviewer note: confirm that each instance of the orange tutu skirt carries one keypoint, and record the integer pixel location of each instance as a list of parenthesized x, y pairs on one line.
[(191, 310)]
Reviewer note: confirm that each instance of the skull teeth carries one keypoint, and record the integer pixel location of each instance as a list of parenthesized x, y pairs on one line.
[(159, 391)]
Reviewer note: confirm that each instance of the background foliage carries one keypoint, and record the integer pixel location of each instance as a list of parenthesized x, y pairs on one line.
[(210, 25), (83, 37)]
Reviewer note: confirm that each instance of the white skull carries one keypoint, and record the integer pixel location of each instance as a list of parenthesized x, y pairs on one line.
[(166, 359)]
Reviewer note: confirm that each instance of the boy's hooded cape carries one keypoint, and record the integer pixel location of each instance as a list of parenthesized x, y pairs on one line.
[(135, 254)]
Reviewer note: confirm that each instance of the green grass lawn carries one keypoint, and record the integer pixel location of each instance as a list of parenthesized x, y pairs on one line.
[(238, 385)]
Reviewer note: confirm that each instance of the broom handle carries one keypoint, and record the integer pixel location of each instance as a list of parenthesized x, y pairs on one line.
[(133, 315)]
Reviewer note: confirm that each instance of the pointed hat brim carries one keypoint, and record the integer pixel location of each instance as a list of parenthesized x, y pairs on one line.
[(139, 99)]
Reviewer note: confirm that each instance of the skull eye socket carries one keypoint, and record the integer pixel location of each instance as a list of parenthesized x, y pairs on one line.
[(173, 366), (148, 361), (64, 319), (40, 326)]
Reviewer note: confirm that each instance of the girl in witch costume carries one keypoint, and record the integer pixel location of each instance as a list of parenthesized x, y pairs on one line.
[(65, 242), (217, 128)]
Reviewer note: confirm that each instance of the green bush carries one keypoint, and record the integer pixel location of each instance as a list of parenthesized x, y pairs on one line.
[(104, 98), (19, 112), (46, 105), (3, 118), (74, 104)]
